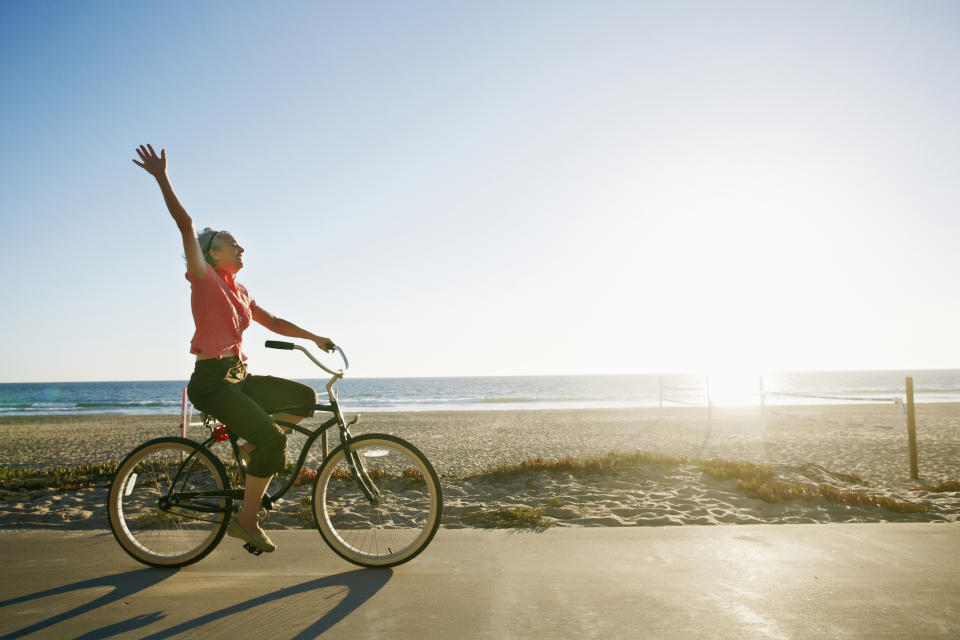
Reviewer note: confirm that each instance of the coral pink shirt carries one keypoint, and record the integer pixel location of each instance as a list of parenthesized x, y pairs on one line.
[(222, 309)]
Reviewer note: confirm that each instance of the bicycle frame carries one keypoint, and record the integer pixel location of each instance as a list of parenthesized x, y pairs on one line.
[(353, 462)]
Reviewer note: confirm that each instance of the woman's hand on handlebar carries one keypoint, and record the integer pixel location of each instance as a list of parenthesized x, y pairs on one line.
[(324, 343), (152, 163)]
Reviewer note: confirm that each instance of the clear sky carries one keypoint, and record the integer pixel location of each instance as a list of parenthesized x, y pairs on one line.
[(487, 188)]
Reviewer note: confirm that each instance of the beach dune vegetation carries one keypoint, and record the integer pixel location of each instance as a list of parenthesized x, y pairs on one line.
[(611, 463), (754, 480), (844, 477), (304, 512), (747, 472), (14, 481), (758, 481), (947, 486), (507, 518), (858, 499)]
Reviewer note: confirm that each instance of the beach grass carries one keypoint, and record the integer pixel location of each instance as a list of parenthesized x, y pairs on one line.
[(612, 463), (758, 481), (507, 518), (773, 491), (747, 472), (17, 481), (943, 487), (858, 499), (845, 477), (305, 510), (754, 480)]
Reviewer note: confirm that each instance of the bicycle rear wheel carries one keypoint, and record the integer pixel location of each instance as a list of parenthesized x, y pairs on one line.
[(402, 519), (146, 516)]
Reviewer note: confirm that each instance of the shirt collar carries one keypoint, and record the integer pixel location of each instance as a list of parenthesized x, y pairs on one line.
[(227, 276)]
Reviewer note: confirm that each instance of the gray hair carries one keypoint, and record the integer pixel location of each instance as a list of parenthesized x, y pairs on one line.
[(204, 239)]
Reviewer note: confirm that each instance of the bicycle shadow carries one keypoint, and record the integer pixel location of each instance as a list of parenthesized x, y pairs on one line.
[(123, 584), (360, 585)]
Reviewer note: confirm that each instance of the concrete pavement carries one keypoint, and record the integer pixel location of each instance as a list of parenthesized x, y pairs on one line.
[(747, 581)]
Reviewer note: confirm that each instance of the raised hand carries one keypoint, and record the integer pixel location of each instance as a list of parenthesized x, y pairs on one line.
[(152, 163)]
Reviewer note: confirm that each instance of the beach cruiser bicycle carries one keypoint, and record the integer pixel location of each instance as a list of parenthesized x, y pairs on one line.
[(376, 499)]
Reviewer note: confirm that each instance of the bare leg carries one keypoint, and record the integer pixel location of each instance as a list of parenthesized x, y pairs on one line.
[(252, 496), (245, 526), (255, 486)]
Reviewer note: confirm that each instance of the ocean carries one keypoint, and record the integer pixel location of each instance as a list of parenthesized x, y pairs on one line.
[(514, 392)]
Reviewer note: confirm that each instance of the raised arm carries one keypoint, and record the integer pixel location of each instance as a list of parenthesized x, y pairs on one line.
[(157, 167)]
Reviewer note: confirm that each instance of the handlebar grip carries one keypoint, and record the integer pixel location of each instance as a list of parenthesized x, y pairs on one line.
[(276, 344)]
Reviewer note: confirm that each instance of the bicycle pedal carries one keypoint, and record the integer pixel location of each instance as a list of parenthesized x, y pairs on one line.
[(252, 549)]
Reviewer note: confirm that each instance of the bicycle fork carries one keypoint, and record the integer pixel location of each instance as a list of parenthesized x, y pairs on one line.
[(355, 464)]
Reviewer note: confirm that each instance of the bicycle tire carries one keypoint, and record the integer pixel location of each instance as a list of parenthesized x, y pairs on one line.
[(404, 521), (176, 536)]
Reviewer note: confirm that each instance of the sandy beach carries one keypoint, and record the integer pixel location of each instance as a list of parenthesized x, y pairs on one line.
[(806, 445)]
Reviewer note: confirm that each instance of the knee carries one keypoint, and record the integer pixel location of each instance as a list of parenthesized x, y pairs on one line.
[(309, 397), (303, 394), (269, 456)]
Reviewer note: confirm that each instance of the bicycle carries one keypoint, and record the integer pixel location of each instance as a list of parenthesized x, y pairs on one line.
[(376, 499)]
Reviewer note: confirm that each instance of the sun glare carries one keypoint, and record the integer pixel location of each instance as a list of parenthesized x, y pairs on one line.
[(732, 388)]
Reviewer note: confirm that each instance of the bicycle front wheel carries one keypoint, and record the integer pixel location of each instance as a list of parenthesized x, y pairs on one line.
[(157, 509), (398, 518)]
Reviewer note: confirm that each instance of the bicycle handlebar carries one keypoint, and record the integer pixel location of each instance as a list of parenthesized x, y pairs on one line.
[(277, 344)]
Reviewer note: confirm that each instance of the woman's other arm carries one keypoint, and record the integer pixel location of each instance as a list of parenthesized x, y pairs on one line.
[(287, 328), (157, 167)]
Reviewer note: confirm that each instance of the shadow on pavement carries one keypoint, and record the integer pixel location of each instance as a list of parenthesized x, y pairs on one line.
[(357, 587), (124, 585), (360, 585)]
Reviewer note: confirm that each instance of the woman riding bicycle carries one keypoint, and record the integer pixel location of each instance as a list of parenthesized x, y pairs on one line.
[(220, 385)]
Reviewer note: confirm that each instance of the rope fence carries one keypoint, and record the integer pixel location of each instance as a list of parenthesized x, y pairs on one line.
[(898, 402), (705, 390), (832, 397), (903, 404), (668, 394)]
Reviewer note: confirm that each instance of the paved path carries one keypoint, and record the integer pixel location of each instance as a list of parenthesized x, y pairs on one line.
[(763, 581)]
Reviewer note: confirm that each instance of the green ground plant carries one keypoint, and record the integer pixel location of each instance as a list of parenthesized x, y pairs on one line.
[(754, 474), (848, 477), (305, 510), (611, 463), (507, 518), (16, 481), (758, 481), (943, 487), (858, 499)]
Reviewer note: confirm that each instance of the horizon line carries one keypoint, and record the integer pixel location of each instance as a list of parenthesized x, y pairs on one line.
[(719, 373)]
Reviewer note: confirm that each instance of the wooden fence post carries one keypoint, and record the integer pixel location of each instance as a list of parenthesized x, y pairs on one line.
[(912, 432), (763, 405), (183, 414), (709, 400)]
